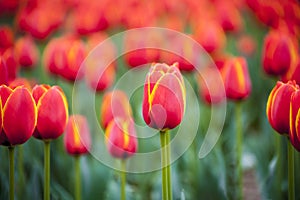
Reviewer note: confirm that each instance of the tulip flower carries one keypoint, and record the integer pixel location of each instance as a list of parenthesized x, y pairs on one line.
[(236, 78), (52, 117), (293, 73), (279, 53), (278, 106), (16, 106), (121, 138), (281, 112), (114, 104), (9, 59), (6, 38), (77, 141), (3, 72), (164, 97), (27, 52), (77, 137), (163, 109), (294, 132)]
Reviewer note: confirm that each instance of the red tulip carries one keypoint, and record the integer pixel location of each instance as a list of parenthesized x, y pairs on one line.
[(236, 78), (3, 72), (120, 137), (278, 106), (10, 61), (114, 104), (229, 16), (293, 73), (6, 38), (26, 52), (294, 132), (17, 106), (21, 82), (77, 138), (52, 109), (279, 53), (164, 97), (246, 45)]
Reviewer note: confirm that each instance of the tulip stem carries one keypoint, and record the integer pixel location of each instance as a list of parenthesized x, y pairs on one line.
[(11, 153), (77, 178), (279, 165), (239, 151), (291, 172), (165, 163), (46, 170), (123, 179)]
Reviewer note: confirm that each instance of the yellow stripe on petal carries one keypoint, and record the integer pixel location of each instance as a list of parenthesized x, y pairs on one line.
[(76, 134), (240, 75), (126, 134), (297, 124), (151, 97)]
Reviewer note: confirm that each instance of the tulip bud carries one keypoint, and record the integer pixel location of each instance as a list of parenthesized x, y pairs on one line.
[(17, 106), (279, 53), (236, 78), (52, 109), (293, 73), (10, 61), (115, 104), (120, 137), (278, 106), (164, 97), (26, 52), (6, 38), (294, 132), (77, 139)]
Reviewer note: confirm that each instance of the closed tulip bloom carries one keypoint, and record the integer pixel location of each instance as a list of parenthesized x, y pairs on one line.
[(293, 73), (236, 78), (6, 38), (115, 104), (26, 52), (164, 97), (279, 53), (17, 106), (295, 120), (10, 61), (77, 138), (3, 72), (278, 106), (120, 138), (52, 109)]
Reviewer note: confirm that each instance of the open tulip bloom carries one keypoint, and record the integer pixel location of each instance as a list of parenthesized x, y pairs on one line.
[(52, 117), (163, 109), (16, 105)]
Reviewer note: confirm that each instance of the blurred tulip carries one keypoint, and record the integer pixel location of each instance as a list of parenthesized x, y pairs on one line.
[(77, 139), (246, 45), (211, 85), (279, 53), (114, 104), (294, 132), (120, 137), (17, 106), (52, 108), (164, 97), (10, 61), (278, 106), (100, 66), (63, 56), (21, 82), (229, 16), (210, 35), (26, 52), (236, 78), (6, 38), (293, 73)]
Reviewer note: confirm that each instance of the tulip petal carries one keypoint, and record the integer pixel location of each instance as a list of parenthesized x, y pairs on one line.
[(52, 114), (5, 92), (19, 107)]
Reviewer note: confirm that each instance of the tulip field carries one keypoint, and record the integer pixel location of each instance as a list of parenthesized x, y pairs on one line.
[(178, 99)]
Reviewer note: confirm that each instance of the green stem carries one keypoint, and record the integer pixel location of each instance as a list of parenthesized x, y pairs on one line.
[(46, 170), (291, 171), (166, 177), (239, 150), (77, 178), (169, 183), (279, 166), (123, 179), (11, 153)]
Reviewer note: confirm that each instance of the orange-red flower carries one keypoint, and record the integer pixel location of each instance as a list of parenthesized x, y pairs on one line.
[(77, 139), (294, 132), (164, 97), (236, 78), (26, 52), (10, 61), (279, 53), (278, 106), (17, 106), (293, 73), (52, 108), (6, 38), (115, 104), (120, 137)]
